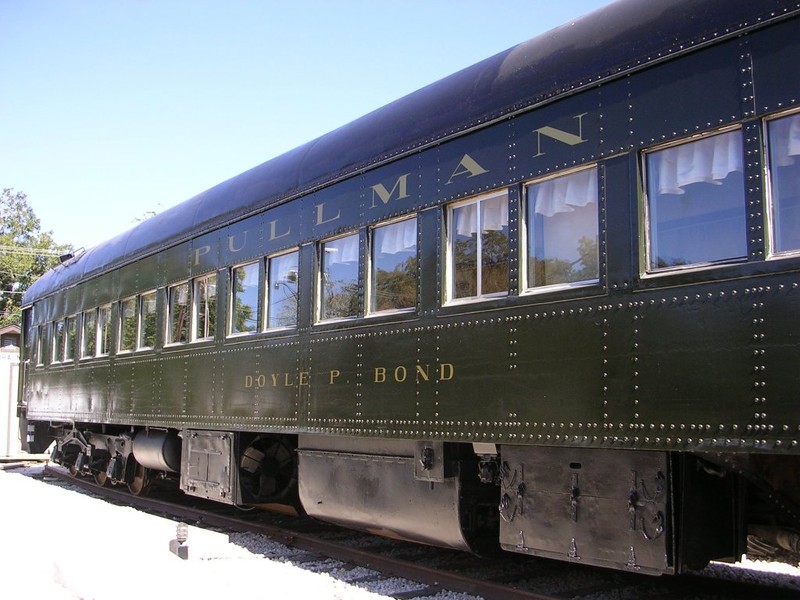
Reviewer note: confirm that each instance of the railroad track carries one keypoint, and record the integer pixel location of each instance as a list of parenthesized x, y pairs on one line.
[(365, 559)]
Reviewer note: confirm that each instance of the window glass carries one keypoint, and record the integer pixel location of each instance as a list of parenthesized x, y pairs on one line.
[(393, 268), (89, 334), (58, 341), (282, 291), (104, 330), (563, 230), (40, 345), (695, 202), (206, 307), (179, 314), (147, 321), (784, 155), (244, 298), (339, 278), (127, 325), (478, 247), (70, 337)]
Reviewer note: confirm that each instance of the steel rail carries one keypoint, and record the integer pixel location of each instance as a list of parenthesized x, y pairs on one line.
[(386, 565)]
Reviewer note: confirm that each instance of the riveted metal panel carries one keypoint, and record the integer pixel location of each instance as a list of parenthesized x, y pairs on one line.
[(208, 465), (473, 164), (205, 252), (336, 364), (262, 384), (687, 95), (776, 57), (597, 508), (559, 136), (693, 357)]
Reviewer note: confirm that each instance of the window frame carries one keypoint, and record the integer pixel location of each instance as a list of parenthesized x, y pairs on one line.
[(770, 211), (104, 330), (87, 337), (58, 337), (122, 325), (69, 345), (371, 272), (196, 300), (449, 285), (320, 275), (259, 264), (268, 283), (524, 242), (186, 321), (645, 211), (141, 330)]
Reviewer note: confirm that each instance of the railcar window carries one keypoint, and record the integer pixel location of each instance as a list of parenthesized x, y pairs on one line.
[(784, 155), (205, 292), (127, 325), (695, 202), (244, 298), (562, 223), (338, 286), (393, 266), (58, 341), (104, 330), (89, 334), (179, 314), (70, 337), (478, 247), (39, 348), (282, 290), (147, 321)]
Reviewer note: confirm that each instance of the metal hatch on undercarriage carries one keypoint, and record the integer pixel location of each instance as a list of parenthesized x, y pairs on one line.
[(209, 465)]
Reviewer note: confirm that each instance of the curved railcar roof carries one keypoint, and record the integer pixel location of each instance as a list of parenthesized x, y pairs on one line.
[(607, 43)]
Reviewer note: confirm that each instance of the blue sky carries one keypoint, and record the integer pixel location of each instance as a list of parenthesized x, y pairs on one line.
[(113, 108)]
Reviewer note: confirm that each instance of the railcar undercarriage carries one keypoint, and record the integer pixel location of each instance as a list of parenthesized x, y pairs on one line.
[(652, 512)]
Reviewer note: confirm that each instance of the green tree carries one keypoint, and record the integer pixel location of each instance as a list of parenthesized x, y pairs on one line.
[(26, 252)]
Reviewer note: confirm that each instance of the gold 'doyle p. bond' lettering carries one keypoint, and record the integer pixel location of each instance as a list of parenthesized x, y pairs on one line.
[(379, 375)]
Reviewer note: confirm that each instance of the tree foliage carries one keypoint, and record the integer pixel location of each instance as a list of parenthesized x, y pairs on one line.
[(26, 252)]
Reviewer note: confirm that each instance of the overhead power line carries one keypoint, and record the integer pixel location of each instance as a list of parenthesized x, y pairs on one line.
[(28, 251)]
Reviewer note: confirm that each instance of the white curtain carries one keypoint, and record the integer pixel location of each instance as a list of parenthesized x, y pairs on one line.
[(343, 250), (565, 194), (398, 236), (784, 140), (708, 160), (493, 212)]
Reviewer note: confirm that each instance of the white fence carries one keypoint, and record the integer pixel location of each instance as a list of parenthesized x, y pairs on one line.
[(10, 442)]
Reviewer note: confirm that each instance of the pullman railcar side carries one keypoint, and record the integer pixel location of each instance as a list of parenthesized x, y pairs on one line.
[(579, 306)]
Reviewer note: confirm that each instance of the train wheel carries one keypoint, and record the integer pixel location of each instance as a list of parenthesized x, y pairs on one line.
[(268, 470), (101, 478), (73, 470), (140, 483)]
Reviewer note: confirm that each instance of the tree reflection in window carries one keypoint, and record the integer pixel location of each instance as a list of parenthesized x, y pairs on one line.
[(205, 289), (282, 292), (393, 284), (147, 321), (563, 229), (179, 314), (128, 324), (479, 263), (338, 286), (244, 298), (89, 334)]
